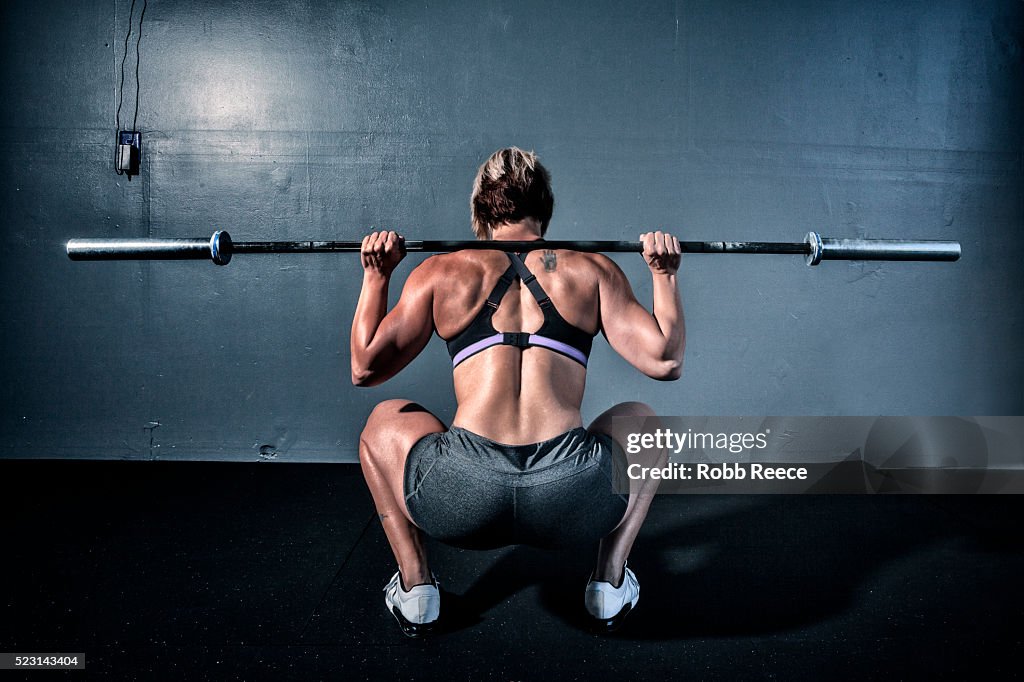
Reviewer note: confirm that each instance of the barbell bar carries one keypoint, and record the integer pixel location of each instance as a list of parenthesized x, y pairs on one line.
[(220, 248)]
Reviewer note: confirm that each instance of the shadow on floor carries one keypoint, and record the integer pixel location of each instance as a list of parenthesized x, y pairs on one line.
[(739, 566)]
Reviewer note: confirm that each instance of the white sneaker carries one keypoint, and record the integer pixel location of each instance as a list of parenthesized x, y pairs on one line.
[(609, 605), (418, 609)]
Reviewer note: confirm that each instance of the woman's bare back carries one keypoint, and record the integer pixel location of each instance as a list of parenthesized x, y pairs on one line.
[(508, 394)]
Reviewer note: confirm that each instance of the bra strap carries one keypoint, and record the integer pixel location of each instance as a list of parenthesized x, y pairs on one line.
[(529, 280), (501, 287)]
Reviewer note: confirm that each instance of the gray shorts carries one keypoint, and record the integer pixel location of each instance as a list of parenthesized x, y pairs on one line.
[(469, 491)]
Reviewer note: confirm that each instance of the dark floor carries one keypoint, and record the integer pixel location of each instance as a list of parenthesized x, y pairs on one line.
[(159, 570)]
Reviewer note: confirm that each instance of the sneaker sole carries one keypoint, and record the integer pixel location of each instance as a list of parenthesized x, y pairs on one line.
[(410, 629), (607, 626)]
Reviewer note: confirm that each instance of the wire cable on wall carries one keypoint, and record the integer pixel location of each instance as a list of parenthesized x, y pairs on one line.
[(120, 89), (138, 87), (138, 61)]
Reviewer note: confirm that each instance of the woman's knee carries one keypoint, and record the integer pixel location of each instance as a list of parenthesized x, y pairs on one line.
[(633, 409), (393, 427), (380, 421)]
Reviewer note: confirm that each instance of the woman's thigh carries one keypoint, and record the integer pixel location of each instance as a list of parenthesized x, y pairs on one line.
[(391, 431), (604, 425)]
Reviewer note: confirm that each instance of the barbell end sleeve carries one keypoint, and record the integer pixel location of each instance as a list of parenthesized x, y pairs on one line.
[(145, 248), (221, 247), (889, 250), (77, 249), (826, 248)]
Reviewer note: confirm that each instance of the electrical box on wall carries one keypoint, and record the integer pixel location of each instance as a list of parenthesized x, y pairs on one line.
[(129, 152)]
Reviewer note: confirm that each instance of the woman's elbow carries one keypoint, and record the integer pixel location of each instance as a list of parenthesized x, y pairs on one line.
[(668, 370), (362, 376)]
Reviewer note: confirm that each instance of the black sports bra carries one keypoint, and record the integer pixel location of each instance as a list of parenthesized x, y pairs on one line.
[(555, 334)]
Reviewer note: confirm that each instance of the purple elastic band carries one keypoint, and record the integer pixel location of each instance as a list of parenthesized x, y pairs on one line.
[(563, 348), (474, 348), (532, 340)]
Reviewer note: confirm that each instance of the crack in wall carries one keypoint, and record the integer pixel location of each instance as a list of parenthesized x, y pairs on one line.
[(151, 427)]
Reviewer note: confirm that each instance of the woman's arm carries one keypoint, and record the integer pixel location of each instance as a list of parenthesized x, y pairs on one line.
[(654, 344), (382, 343)]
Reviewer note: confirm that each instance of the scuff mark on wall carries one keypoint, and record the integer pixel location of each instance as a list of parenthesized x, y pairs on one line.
[(269, 449), (151, 427)]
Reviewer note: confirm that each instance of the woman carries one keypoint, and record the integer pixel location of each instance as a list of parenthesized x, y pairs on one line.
[(516, 466)]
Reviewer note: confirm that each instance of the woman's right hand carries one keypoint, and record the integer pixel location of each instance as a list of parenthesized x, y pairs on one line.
[(662, 252)]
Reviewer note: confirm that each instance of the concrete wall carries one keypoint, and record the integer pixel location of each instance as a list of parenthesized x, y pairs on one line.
[(309, 119)]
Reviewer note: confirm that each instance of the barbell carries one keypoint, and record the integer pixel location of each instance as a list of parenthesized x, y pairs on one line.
[(220, 248)]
